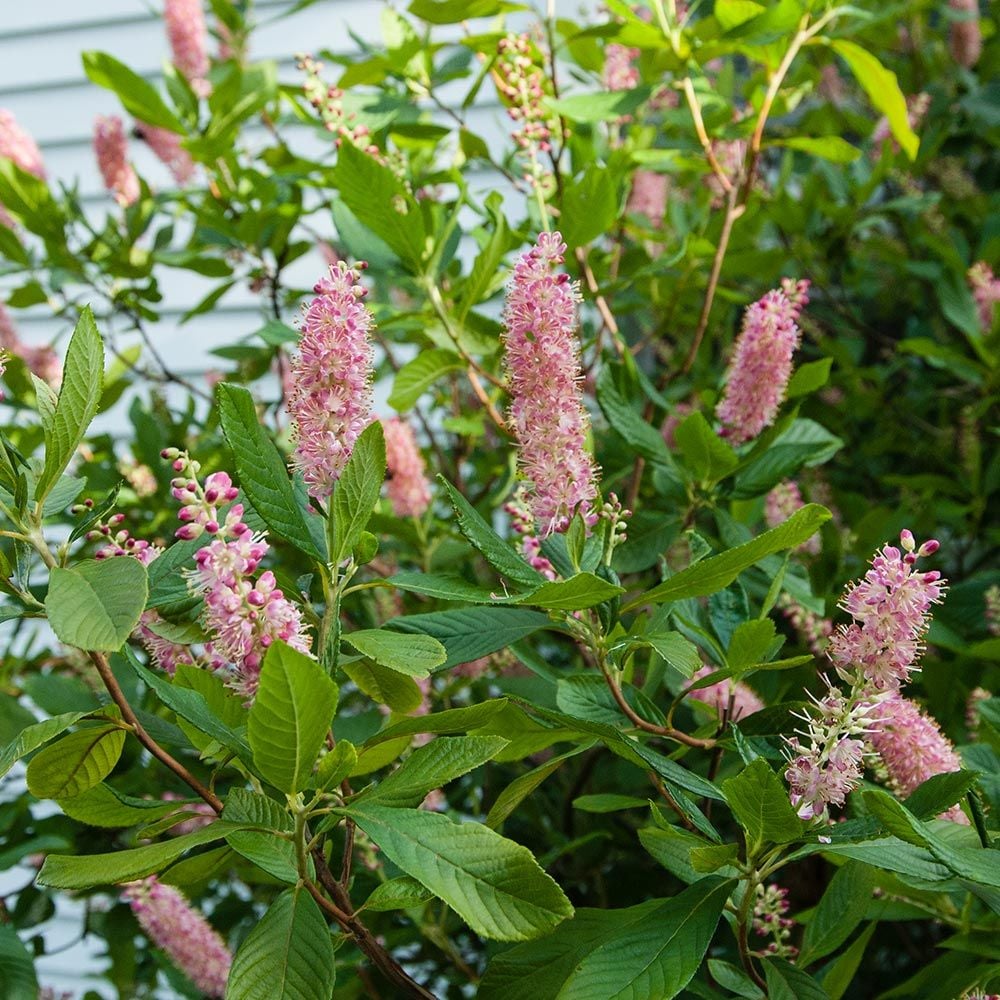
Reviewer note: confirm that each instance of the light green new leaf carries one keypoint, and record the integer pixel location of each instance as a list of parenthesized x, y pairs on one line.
[(75, 763), (387, 687), (680, 653), (336, 765), (290, 716), (828, 147), (493, 884), (432, 766), (32, 737), (401, 893), (759, 801), (882, 88), (287, 956), (418, 375), (750, 643), (263, 475), (712, 574), (357, 490), (138, 96), (17, 970), (413, 655), (95, 604), (79, 396), (644, 952)]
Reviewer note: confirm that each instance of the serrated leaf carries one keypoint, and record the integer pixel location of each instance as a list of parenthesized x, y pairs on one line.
[(263, 475), (104, 806), (600, 105), (589, 205), (138, 96), (445, 588), (272, 854), (385, 686), (788, 982), (645, 952), (680, 653), (635, 431), (290, 716), (96, 604), (939, 793), (842, 907), (750, 643), (357, 491), (706, 455), (79, 396), (413, 655), (809, 377), (432, 766), (493, 884), (418, 375), (32, 737), (453, 720), (716, 572), (585, 696), (760, 803), (17, 970), (584, 590), (336, 764), (401, 893), (288, 956), (521, 787), (75, 763)]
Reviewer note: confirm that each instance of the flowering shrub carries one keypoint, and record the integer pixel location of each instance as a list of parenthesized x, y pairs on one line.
[(487, 629)]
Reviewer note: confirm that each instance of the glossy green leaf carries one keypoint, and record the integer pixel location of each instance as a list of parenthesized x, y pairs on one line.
[(418, 375), (401, 893), (32, 737), (138, 96), (845, 902), (75, 763), (272, 854), (706, 455), (750, 643), (104, 806), (521, 787), (589, 205), (759, 801), (357, 490), (387, 687), (452, 720), (413, 655), (788, 982), (290, 716), (839, 974), (680, 653), (584, 590)]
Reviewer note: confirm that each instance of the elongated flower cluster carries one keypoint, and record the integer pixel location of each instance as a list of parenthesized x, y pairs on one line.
[(913, 748), (182, 932), (523, 523), (18, 146), (891, 611), (243, 616), (330, 400), (620, 71), (408, 489), (329, 103), (111, 149), (720, 695), (986, 291), (762, 365), (648, 196), (780, 504), (543, 370), (812, 629), (769, 920), (523, 86), (188, 37), (169, 151), (965, 40)]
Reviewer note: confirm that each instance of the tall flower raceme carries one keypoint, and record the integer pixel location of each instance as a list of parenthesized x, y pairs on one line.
[(965, 39), (721, 695), (913, 748), (620, 71), (758, 374), (523, 86), (111, 149), (18, 146), (243, 616), (166, 145), (408, 489), (176, 927), (188, 37), (986, 292), (43, 361), (547, 414), (330, 400)]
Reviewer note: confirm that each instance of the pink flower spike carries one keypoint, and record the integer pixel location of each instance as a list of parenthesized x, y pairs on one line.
[(986, 292), (168, 149), (18, 146), (543, 370), (111, 149), (330, 398), (407, 487), (188, 36), (744, 698)]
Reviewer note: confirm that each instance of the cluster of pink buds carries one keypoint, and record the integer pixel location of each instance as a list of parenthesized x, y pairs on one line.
[(965, 39), (188, 37), (780, 504), (121, 542), (523, 87), (813, 630), (648, 196), (111, 149), (985, 290), (770, 920), (620, 71), (762, 364), (523, 523), (329, 104), (201, 512), (617, 517)]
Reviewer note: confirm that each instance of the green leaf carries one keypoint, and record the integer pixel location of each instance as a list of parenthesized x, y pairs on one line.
[(600, 105), (418, 375), (381, 202), (263, 475), (104, 806), (357, 491), (585, 696), (495, 550), (750, 643), (706, 455), (716, 572), (760, 803), (403, 893), (706, 860), (413, 655), (73, 872), (680, 653), (939, 793), (493, 884), (828, 147), (589, 206), (32, 737), (17, 970), (387, 687), (581, 591), (432, 766), (290, 716), (96, 604), (645, 952), (336, 764), (453, 11), (75, 763), (809, 377), (271, 853), (802, 443), (138, 97), (287, 956), (843, 906), (469, 633), (445, 588), (521, 787), (486, 270), (839, 974), (608, 802), (79, 396), (453, 720), (788, 982), (882, 88), (624, 420)]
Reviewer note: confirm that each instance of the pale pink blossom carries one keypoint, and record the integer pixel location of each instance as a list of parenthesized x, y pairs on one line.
[(542, 360), (812, 629), (111, 149), (188, 37), (620, 71), (173, 925), (330, 400), (648, 196), (913, 748), (965, 40), (780, 504), (986, 292), (164, 653), (408, 489), (18, 146), (973, 716), (758, 374), (168, 149), (42, 360), (523, 523), (890, 609), (742, 697)]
